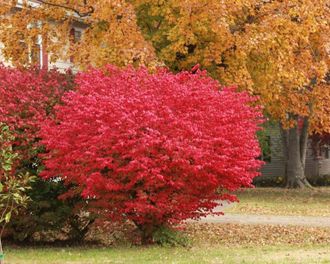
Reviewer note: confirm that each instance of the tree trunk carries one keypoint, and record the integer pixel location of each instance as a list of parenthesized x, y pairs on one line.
[(146, 230), (303, 141), (296, 152)]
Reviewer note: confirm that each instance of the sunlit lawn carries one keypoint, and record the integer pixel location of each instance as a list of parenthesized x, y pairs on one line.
[(218, 243), (202, 254), (306, 202), (209, 243)]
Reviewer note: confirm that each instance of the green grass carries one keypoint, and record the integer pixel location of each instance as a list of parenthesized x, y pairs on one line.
[(218, 243), (198, 255), (277, 201)]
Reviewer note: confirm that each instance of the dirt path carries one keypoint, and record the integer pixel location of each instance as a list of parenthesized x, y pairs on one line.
[(268, 220), (312, 221)]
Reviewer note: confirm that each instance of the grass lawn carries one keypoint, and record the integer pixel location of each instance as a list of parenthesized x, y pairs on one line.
[(210, 243), (202, 254), (218, 243), (278, 201)]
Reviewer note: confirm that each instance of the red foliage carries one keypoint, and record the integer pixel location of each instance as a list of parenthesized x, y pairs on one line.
[(320, 142), (26, 98), (153, 148)]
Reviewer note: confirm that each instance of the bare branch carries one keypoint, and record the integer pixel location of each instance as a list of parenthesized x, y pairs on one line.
[(90, 9)]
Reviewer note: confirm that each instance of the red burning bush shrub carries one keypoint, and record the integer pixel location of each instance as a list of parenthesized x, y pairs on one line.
[(27, 97), (152, 148)]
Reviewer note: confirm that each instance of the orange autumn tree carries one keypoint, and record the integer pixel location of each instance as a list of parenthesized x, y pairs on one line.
[(287, 57), (278, 50), (110, 32), (275, 49)]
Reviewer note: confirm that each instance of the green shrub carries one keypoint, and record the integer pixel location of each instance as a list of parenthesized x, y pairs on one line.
[(46, 214), (166, 236)]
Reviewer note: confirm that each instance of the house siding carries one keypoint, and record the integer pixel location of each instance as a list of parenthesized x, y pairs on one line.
[(324, 167), (275, 167), (314, 167)]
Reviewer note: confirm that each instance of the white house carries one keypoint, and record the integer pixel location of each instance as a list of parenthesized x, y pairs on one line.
[(38, 54)]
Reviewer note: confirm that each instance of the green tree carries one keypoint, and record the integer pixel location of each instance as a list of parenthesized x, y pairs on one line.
[(13, 186)]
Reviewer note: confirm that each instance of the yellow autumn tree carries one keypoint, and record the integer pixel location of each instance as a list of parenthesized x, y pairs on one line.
[(278, 50), (287, 58), (110, 33)]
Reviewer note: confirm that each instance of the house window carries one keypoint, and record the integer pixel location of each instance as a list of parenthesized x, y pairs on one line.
[(35, 47), (326, 152), (32, 53), (35, 54), (75, 37), (266, 149), (265, 145)]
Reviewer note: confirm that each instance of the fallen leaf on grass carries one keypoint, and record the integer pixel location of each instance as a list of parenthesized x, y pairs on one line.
[(238, 234)]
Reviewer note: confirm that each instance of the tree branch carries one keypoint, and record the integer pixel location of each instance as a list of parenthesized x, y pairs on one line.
[(90, 9)]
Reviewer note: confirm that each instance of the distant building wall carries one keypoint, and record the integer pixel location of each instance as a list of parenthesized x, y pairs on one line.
[(275, 168)]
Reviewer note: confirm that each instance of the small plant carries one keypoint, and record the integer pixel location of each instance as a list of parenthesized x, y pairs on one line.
[(13, 186), (48, 218), (166, 236)]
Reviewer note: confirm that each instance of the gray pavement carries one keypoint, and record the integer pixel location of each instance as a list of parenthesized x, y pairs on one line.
[(268, 220), (312, 221)]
